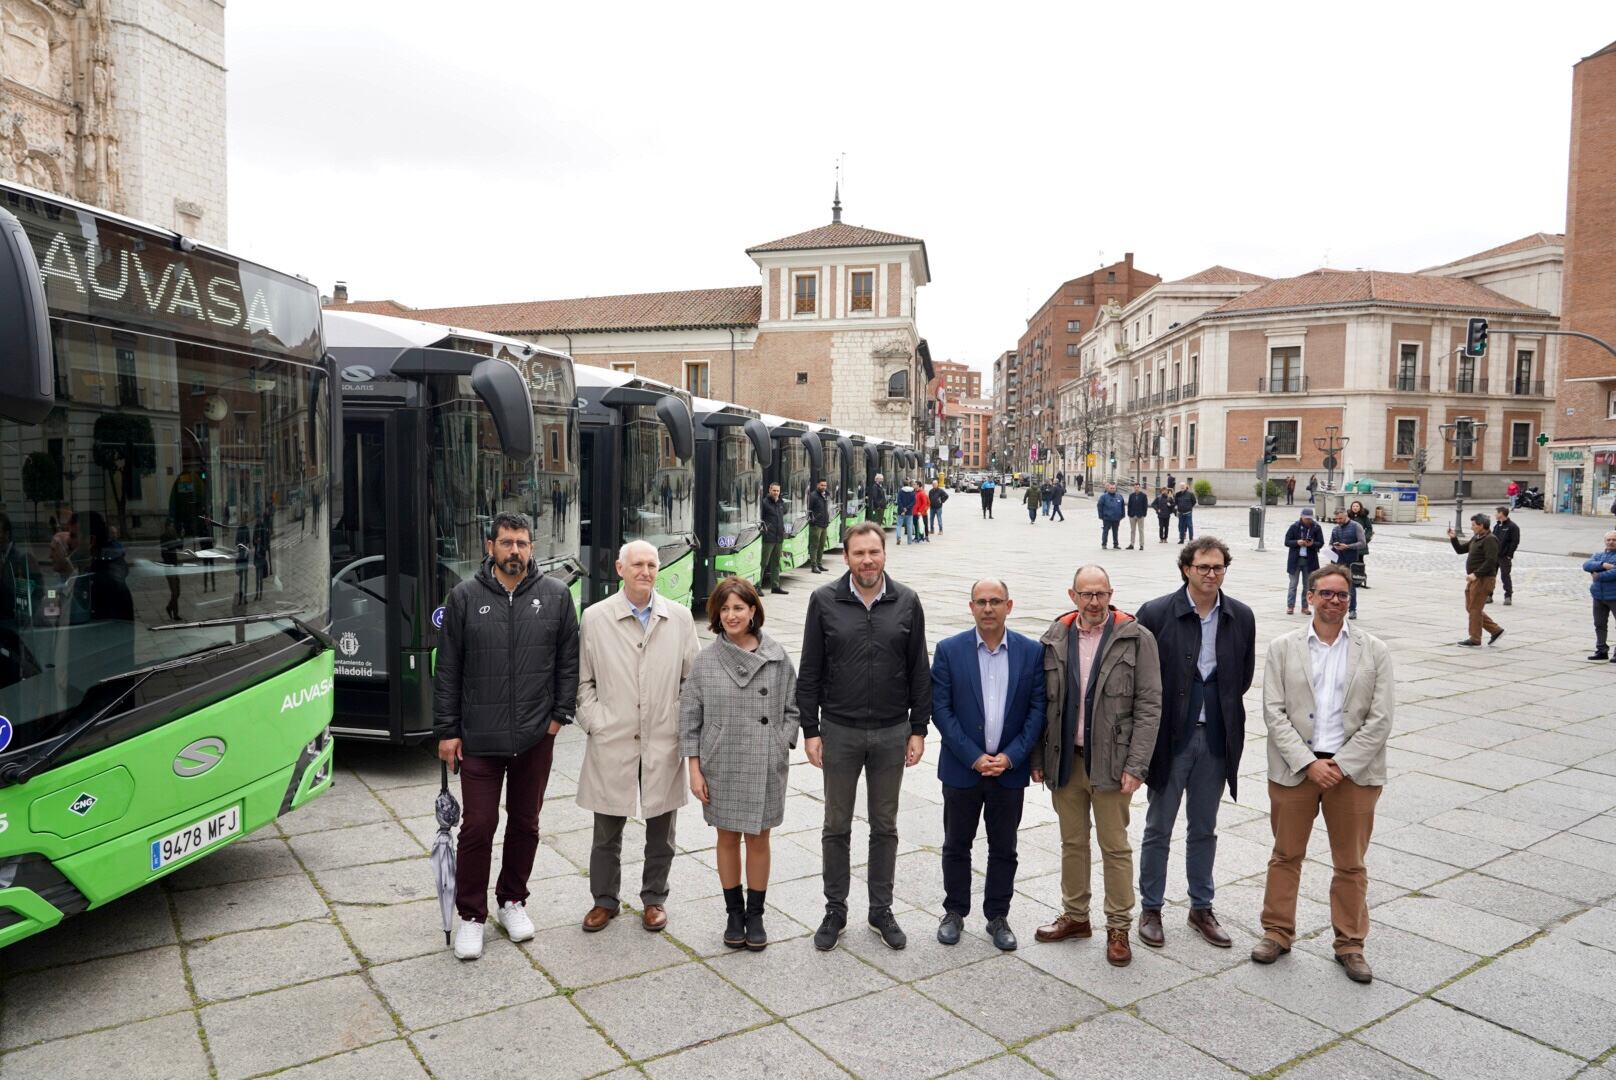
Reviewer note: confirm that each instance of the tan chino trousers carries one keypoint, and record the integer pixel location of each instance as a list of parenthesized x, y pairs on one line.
[(1349, 819), (1476, 594), (1074, 804)]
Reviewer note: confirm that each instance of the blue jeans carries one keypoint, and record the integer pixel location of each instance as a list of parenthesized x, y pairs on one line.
[(937, 519), (1109, 528), (1197, 776), (1298, 576), (905, 522), (1186, 527)]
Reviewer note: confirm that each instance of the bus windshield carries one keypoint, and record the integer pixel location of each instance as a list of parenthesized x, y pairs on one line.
[(175, 484), (740, 479), (657, 489), (797, 470)]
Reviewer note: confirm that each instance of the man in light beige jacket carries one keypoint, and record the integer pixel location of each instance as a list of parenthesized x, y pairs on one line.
[(636, 652), (1327, 701)]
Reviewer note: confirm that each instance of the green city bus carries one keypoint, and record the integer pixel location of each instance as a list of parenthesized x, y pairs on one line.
[(733, 447), (796, 459), (166, 413)]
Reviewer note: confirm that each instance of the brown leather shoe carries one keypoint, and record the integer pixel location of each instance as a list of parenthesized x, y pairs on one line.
[(1150, 929), (1268, 950), (598, 917), (1064, 926), (1357, 967), (653, 918), (1207, 923), (1117, 952)]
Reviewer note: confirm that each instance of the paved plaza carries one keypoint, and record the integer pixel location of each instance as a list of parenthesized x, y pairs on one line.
[(314, 949)]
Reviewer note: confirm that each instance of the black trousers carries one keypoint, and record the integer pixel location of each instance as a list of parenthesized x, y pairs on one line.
[(962, 809)]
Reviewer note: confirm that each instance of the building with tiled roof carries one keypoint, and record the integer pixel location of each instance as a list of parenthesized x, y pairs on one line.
[(1529, 269), (1374, 356), (687, 309), (1221, 275)]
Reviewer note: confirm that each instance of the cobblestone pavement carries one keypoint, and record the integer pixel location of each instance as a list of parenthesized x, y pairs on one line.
[(314, 947)]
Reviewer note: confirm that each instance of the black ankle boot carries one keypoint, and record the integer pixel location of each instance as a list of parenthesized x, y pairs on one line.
[(756, 939), (735, 930)]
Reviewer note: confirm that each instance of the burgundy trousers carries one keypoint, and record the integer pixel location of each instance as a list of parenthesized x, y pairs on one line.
[(524, 778)]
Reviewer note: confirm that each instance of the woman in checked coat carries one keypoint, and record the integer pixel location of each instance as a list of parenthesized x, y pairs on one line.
[(737, 725)]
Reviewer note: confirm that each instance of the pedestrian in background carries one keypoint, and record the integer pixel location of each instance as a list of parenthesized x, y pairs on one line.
[(1056, 494), (818, 522), (1481, 568), (990, 489), (1102, 682), (638, 650), (1601, 570), (1366, 521), (1138, 507), (987, 699), (1110, 509), (773, 510), (1327, 704), (505, 684), (737, 727), (1207, 641), (1032, 499), (1045, 493), (877, 502), (1514, 492), (906, 512), (935, 500), (1302, 543), (1347, 542), (1290, 491), (1184, 507), (1312, 486), (922, 512), (1164, 512), (1509, 538), (864, 695)]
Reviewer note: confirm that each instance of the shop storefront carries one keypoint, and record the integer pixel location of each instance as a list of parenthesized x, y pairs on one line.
[(1604, 466), (1566, 481)]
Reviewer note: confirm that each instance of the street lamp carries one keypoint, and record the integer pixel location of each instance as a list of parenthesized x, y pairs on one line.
[(1037, 432)]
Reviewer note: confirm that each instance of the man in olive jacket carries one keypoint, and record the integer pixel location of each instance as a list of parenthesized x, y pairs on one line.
[(507, 679), (1102, 682)]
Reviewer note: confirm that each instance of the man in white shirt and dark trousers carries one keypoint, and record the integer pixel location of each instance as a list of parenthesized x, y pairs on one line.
[(1327, 701)]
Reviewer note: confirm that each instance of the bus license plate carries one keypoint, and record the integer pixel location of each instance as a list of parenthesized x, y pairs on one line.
[(193, 838)]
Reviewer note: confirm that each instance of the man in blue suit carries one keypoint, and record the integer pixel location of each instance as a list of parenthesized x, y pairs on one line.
[(988, 705)]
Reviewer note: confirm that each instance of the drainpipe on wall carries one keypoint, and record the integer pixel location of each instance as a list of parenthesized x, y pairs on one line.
[(732, 377)]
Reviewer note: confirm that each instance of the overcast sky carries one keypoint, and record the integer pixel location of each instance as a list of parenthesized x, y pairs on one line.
[(442, 154)]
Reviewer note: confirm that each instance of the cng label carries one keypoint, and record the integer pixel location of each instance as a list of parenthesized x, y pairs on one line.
[(83, 804), (199, 757)]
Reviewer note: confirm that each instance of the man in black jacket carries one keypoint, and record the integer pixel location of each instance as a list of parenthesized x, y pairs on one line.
[(1207, 641), (1138, 507), (876, 505), (818, 522), (1509, 538), (864, 697), (773, 509), (507, 679), (1184, 507)]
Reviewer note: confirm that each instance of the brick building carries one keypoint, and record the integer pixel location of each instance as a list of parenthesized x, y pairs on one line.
[(1048, 352), (1006, 393), (971, 426), (957, 380), (1190, 377), (1583, 453), (827, 335)]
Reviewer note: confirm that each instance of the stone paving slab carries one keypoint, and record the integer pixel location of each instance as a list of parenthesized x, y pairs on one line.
[(1010, 999), (288, 1027), (167, 1048), (1245, 1031), (541, 1040), (437, 988), (775, 1052), (1456, 1046), (893, 1035), (384, 1061), (1551, 1013), (102, 993), (1126, 1048), (791, 977), (238, 964), (651, 1014)]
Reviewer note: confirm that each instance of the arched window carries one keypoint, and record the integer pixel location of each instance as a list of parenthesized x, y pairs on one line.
[(898, 384)]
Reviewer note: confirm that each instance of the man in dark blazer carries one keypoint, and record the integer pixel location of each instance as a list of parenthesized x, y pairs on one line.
[(987, 700), (1207, 641)]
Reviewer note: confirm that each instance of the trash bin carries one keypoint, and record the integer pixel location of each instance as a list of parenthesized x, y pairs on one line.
[(1256, 522), (1398, 502)]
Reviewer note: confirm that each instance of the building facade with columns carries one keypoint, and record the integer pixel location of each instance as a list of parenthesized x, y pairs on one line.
[(119, 104), (828, 333), (1370, 358)]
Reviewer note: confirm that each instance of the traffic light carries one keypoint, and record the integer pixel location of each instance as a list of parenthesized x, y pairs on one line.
[(1476, 338), (1270, 449)]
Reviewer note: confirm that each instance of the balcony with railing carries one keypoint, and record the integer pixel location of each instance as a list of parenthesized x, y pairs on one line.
[(1529, 387), (1192, 389), (1292, 384), (1471, 385), (1404, 382), (1172, 395)]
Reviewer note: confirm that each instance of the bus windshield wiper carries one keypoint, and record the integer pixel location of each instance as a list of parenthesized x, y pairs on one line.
[(240, 620), (21, 771)]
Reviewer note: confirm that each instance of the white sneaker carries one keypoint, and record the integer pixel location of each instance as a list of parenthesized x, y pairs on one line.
[(514, 918), (468, 942)]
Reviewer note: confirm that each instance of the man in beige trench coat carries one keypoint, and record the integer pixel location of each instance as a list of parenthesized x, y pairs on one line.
[(636, 651)]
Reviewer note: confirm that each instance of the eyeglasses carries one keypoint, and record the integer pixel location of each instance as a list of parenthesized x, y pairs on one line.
[(1090, 597), (1331, 594), (1209, 569), (989, 602)]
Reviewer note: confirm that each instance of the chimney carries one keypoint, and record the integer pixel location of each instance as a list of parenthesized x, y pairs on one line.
[(339, 295)]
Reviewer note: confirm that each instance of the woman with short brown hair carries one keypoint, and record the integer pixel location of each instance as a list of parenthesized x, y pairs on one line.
[(737, 726)]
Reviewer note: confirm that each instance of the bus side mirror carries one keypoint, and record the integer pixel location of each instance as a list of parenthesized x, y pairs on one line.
[(27, 374), (762, 441), (681, 427), (502, 389)]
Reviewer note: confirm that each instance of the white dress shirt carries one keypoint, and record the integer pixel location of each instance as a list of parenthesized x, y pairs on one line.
[(993, 667), (1329, 678)]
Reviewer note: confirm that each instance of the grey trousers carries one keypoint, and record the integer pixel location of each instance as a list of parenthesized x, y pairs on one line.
[(878, 754), (606, 860)]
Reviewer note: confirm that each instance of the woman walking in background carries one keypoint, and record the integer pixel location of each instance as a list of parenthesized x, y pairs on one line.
[(737, 727), (1362, 516)]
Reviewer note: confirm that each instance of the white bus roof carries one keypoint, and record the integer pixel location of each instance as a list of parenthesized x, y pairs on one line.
[(588, 375), (362, 329)]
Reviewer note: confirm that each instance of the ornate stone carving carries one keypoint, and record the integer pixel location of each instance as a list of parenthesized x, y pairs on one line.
[(893, 350), (58, 99)]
